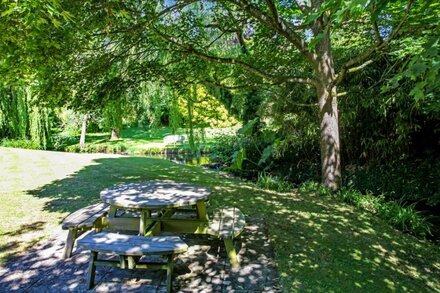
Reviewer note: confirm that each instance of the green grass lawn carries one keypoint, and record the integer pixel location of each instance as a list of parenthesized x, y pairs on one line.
[(134, 141), (321, 244)]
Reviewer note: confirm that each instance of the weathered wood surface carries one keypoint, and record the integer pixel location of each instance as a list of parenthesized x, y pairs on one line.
[(122, 244), (154, 194), (227, 223), (85, 217)]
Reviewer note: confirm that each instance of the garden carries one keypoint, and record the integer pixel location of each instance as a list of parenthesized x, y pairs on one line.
[(319, 121)]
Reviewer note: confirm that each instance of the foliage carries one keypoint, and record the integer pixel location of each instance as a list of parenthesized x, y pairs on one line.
[(207, 111), (60, 141), (411, 181), (117, 148), (267, 181), (155, 104), (403, 217), (316, 239), (21, 118), (20, 143)]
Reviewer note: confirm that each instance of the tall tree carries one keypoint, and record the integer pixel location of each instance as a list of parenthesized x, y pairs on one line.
[(303, 29), (191, 41)]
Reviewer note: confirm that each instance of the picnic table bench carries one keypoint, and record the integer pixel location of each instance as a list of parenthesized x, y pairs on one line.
[(227, 224), (81, 221), (130, 249)]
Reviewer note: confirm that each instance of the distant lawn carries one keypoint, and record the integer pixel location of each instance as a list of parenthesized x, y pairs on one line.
[(321, 244), (134, 141)]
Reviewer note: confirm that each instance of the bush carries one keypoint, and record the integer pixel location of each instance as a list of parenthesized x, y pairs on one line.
[(63, 140), (416, 181), (98, 148), (223, 149), (20, 143)]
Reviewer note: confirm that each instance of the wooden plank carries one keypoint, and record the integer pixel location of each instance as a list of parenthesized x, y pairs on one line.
[(92, 270), (184, 226), (132, 245), (127, 224), (85, 217), (160, 194), (227, 223)]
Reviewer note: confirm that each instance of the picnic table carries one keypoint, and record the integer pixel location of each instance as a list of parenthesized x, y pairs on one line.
[(150, 208), (157, 203)]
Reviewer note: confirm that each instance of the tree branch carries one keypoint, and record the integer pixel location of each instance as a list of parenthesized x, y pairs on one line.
[(273, 10), (379, 39), (281, 26), (233, 61), (347, 67)]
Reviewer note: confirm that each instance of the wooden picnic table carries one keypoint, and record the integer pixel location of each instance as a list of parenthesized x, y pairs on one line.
[(157, 202), (150, 207), (163, 206)]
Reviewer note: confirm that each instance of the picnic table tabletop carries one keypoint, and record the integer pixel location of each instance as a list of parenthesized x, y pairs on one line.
[(155, 194)]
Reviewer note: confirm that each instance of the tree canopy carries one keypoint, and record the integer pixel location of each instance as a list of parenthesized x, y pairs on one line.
[(283, 61)]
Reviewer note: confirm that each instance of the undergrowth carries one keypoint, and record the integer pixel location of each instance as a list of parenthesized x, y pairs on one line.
[(20, 143), (403, 217)]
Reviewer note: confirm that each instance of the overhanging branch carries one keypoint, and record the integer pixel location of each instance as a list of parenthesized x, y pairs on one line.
[(349, 66), (189, 49)]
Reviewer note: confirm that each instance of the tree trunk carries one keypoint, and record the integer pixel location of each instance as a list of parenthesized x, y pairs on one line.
[(328, 110), (330, 145), (190, 105), (82, 139), (115, 134)]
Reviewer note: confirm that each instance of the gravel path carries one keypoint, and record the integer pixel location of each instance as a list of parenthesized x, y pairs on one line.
[(204, 268)]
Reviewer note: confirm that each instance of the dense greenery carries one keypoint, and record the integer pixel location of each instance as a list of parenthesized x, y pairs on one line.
[(316, 239), (340, 92)]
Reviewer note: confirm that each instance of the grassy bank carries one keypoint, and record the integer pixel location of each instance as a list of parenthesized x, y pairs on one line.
[(321, 244), (136, 141)]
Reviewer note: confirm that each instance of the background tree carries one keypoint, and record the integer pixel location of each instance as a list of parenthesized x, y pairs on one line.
[(285, 43)]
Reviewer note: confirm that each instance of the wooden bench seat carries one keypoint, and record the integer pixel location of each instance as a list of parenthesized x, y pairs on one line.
[(80, 221), (227, 224), (130, 249)]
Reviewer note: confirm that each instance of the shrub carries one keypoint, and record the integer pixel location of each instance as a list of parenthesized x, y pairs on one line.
[(223, 149), (20, 143), (63, 140), (411, 181)]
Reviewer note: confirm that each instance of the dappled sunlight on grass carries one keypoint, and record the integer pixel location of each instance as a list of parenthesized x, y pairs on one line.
[(321, 244)]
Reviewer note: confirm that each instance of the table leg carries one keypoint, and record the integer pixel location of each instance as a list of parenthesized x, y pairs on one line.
[(112, 211), (201, 211), (143, 223), (232, 254)]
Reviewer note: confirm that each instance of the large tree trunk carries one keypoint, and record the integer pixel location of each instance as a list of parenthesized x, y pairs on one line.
[(328, 110), (82, 139), (330, 145), (115, 134)]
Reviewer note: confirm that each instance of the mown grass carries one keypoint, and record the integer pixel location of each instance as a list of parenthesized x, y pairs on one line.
[(321, 244), (136, 141)]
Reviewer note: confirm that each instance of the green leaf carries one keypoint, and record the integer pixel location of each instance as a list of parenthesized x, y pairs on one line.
[(248, 128), (9, 11), (418, 92), (267, 153), (238, 159), (315, 40), (418, 68)]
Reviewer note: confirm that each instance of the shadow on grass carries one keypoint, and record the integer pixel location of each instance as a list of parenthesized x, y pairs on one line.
[(321, 245), (26, 228), (83, 187)]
